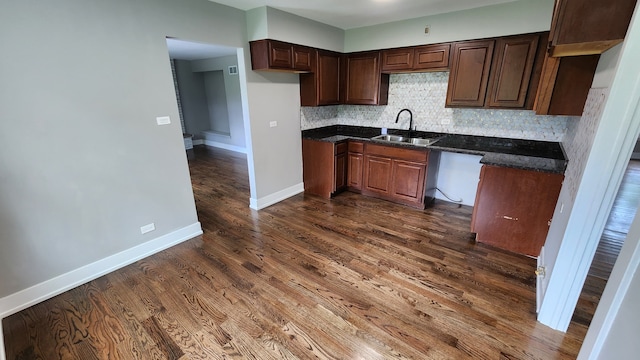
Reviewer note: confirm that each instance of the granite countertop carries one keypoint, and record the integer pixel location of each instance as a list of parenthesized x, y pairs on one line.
[(515, 153)]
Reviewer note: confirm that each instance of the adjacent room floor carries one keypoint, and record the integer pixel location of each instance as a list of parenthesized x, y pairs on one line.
[(347, 278), (613, 237)]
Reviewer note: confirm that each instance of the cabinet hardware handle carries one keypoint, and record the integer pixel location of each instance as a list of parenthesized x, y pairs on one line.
[(509, 218)]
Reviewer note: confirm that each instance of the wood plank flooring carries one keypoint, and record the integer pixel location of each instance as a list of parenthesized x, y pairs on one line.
[(308, 278), (613, 237)]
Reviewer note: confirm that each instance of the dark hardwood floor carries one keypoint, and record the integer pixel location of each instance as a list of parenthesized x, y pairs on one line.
[(307, 278), (615, 232)]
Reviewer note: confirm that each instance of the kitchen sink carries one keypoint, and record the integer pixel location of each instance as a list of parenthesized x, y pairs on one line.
[(405, 140)]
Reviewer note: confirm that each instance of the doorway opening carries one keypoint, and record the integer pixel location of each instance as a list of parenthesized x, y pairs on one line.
[(208, 94), (611, 241)]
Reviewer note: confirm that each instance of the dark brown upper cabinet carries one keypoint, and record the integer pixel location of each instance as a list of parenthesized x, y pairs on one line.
[(513, 64), (322, 86), (364, 83), (273, 55), (470, 65), (564, 84), (417, 58), (585, 27)]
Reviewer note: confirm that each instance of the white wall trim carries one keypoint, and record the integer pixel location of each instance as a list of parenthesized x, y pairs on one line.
[(225, 146), (258, 204), (197, 142), (21, 300)]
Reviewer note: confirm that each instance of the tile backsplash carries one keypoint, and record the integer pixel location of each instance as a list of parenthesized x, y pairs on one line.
[(424, 94)]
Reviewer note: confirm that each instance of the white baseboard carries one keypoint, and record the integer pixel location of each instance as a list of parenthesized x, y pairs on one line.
[(16, 302), (197, 142), (225, 146), (276, 197)]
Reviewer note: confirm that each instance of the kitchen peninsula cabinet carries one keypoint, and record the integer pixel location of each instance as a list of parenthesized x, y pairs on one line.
[(324, 170), (322, 86), (355, 165), (364, 83), (401, 175), (273, 55), (416, 58), (469, 76), (514, 207)]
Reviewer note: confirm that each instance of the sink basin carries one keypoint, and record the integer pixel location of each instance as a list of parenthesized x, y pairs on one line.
[(392, 138), (402, 139)]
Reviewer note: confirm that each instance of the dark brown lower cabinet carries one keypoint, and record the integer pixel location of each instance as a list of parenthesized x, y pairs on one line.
[(514, 207), (401, 175), (355, 164), (324, 169)]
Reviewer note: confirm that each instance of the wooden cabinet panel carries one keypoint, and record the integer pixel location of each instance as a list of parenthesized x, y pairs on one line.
[(433, 57), (397, 59), (469, 75), (324, 167), (355, 165), (408, 181), (564, 84), (302, 57), (377, 174), (322, 86), (340, 171), (364, 82), (340, 167), (354, 172), (417, 58), (512, 67), (318, 167), (585, 27), (514, 207), (273, 55)]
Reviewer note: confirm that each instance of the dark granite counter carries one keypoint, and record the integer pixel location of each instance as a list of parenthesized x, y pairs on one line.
[(515, 153)]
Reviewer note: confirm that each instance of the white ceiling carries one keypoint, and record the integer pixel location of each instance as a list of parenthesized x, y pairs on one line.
[(349, 14)]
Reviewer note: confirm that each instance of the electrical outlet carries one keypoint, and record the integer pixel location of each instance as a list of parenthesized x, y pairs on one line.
[(149, 227), (427, 30), (445, 121), (273, 124), (163, 120)]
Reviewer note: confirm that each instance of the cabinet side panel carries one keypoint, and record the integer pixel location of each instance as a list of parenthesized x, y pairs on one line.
[(317, 167)]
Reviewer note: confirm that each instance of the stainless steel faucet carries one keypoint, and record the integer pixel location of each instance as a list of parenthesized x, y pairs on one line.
[(410, 119)]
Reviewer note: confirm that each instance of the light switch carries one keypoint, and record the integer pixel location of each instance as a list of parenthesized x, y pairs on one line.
[(273, 124), (163, 120)]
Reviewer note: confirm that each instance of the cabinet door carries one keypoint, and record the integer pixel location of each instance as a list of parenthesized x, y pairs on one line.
[(469, 73), (354, 171), (302, 57), (585, 27), (340, 171), (377, 174), (433, 57), (280, 55), (322, 85), (408, 181), (328, 78), (397, 59), (511, 71), (514, 207), (364, 84)]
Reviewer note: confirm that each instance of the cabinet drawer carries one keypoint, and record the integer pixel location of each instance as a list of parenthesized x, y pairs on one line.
[(398, 153), (356, 147)]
